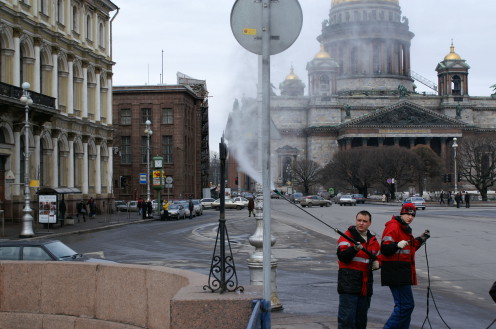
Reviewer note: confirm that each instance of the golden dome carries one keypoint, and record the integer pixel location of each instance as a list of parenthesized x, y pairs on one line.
[(452, 56), (322, 53), (291, 75), (337, 2)]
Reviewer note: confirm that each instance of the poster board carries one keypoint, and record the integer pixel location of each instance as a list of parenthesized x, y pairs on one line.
[(47, 212)]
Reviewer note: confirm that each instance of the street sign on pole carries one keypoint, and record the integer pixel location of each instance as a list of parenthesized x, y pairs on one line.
[(142, 178)]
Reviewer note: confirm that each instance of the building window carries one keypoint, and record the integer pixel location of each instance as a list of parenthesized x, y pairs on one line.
[(167, 148), (75, 19), (144, 149), (101, 35), (60, 11), (167, 116), (44, 7), (89, 31), (146, 114), (125, 116), (125, 149)]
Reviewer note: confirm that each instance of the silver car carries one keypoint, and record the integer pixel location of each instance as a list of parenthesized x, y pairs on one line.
[(177, 211), (347, 199), (315, 200), (198, 208)]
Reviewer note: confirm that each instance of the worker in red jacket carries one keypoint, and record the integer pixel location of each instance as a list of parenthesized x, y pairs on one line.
[(355, 273), (398, 247)]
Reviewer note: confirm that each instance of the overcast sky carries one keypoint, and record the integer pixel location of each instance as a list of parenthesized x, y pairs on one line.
[(197, 40)]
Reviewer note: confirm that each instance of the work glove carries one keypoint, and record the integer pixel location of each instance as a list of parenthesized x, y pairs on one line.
[(402, 244), (358, 246), (426, 235), (375, 265)]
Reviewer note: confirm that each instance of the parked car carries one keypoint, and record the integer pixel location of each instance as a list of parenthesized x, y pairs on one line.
[(206, 202), (198, 207), (296, 197), (315, 200), (326, 195), (118, 203), (41, 250), (242, 200), (274, 195), (229, 204), (418, 201), (130, 206), (359, 198), (185, 204), (177, 211), (347, 199)]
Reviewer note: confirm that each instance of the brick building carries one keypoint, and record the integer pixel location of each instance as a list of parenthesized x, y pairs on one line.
[(179, 122)]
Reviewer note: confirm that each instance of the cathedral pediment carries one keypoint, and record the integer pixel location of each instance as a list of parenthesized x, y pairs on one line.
[(403, 114)]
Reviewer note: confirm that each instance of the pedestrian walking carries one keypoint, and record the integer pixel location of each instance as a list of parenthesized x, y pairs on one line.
[(251, 207), (398, 247), (449, 199), (441, 198), (81, 210), (92, 207), (62, 210), (149, 208), (467, 200), (165, 215), (355, 279), (140, 206), (191, 208), (458, 199)]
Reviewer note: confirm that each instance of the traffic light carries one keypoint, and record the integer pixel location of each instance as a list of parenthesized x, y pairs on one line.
[(447, 178), (123, 181), (458, 177), (236, 181)]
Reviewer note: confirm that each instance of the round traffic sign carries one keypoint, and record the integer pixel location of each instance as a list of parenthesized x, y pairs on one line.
[(169, 180), (286, 20)]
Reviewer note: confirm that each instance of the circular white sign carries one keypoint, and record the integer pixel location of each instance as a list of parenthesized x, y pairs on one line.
[(286, 20), (169, 180)]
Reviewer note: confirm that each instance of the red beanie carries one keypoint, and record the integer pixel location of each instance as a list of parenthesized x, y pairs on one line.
[(408, 208)]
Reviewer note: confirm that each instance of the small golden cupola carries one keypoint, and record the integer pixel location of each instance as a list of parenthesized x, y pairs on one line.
[(452, 56), (292, 85), (322, 53)]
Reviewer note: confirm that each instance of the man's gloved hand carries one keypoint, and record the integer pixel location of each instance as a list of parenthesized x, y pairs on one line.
[(358, 246), (375, 265), (402, 244), (426, 235)]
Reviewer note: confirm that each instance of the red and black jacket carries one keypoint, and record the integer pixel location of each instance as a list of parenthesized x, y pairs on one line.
[(398, 265), (355, 274)]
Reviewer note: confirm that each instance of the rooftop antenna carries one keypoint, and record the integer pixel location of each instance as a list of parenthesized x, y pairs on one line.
[(162, 76)]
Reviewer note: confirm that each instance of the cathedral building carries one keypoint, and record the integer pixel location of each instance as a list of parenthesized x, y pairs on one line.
[(63, 50), (361, 92)]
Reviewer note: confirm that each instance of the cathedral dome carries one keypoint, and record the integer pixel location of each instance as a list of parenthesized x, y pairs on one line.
[(337, 2), (292, 75), (452, 56), (322, 53)]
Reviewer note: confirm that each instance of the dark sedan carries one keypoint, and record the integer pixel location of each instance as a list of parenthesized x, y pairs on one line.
[(41, 250)]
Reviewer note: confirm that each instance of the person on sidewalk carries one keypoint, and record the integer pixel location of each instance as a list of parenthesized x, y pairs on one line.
[(467, 200), (441, 198), (149, 209), (492, 292), (62, 210), (165, 215), (398, 247), (81, 210), (140, 206), (355, 277), (92, 207), (191, 208), (251, 207), (458, 199)]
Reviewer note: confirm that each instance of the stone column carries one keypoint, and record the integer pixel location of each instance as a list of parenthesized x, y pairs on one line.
[(84, 110), (70, 170), (97, 97), (55, 76), (37, 66), (55, 162), (84, 174), (98, 174), (108, 110), (70, 86), (110, 160), (17, 59)]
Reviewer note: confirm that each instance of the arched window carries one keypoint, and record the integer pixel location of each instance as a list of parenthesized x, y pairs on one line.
[(101, 35), (88, 28), (456, 85), (75, 19)]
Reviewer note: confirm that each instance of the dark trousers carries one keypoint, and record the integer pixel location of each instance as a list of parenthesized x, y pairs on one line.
[(352, 313), (403, 308)]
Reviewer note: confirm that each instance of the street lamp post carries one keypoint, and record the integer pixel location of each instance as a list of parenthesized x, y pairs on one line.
[(148, 132), (27, 218), (455, 145)]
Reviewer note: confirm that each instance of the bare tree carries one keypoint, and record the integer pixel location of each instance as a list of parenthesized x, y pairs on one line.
[(477, 162), (305, 173), (353, 168), (429, 167)]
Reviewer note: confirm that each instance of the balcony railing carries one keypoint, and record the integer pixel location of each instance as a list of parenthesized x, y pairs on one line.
[(16, 92)]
